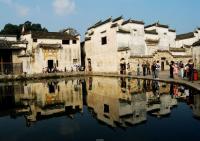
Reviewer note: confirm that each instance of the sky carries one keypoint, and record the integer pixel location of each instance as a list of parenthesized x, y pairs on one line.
[(182, 15)]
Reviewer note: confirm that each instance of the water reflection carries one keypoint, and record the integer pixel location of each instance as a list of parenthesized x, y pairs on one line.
[(38, 101), (115, 102)]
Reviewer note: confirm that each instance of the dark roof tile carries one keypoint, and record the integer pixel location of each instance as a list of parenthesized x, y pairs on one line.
[(185, 36), (196, 43), (117, 19), (157, 25), (133, 21), (151, 32), (52, 35), (172, 30)]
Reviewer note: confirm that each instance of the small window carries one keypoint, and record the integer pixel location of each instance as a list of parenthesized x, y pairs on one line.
[(75, 61), (74, 41), (104, 40), (65, 42), (35, 40)]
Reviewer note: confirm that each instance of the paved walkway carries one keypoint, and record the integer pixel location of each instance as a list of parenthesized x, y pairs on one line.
[(164, 76)]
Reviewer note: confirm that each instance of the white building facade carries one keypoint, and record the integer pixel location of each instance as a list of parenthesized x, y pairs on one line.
[(38, 52), (118, 45), (49, 50)]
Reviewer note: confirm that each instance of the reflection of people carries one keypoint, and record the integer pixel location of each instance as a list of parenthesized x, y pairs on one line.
[(123, 85), (90, 83), (171, 89), (155, 87), (138, 83), (144, 85)]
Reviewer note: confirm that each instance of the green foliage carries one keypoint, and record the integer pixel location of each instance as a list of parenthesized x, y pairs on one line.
[(11, 29)]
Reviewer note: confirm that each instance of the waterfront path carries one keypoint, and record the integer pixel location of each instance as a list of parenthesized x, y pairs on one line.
[(163, 76)]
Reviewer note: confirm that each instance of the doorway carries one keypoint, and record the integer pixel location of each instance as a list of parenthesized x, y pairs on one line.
[(163, 63), (50, 65)]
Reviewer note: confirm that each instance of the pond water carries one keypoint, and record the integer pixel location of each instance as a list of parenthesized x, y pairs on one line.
[(98, 109)]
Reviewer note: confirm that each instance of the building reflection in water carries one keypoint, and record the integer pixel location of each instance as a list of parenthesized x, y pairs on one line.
[(116, 102), (38, 101)]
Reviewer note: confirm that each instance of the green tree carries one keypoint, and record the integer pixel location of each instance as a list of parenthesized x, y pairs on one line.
[(11, 29)]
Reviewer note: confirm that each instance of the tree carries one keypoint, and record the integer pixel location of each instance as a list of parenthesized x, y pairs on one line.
[(11, 29), (71, 31)]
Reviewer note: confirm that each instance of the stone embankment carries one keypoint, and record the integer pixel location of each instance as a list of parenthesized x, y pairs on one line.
[(163, 77)]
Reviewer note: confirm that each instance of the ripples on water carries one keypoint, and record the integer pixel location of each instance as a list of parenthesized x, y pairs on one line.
[(98, 108)]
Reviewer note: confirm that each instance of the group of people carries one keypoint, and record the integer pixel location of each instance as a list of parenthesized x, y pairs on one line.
[(148, 69), (178, 69)]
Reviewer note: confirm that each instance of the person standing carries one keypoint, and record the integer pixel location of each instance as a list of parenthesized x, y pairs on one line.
[(175, 70), (148, 68), (153, 69), (181, 68), (144, 68), (138, 69), (191, 70), (171, 69)]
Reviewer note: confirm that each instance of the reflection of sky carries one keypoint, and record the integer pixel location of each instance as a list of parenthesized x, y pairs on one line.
[(86, 126)]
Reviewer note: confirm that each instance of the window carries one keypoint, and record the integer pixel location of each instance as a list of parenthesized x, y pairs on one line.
[(74, 41), (66, 42), (106, 108), (75, 61), (104, 40), (34, 40)]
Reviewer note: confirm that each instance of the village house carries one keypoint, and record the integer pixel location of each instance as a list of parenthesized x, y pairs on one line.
[(196, 54), (47, 50), (38, 52), (10, 50), (118, 45)]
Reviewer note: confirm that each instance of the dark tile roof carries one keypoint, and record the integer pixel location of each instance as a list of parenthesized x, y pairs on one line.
[(100, 23), (185, 36), (133, 21), (151, 32), (6, 35), (198, 28), (123, 49), (53, 46), (123, 31), (151, 41), (10, 45), (95, 25), (176, 49), (87, 38), (157, 25), (172, 30), (114, 25), (196, 43), (52, 35), (117, 19)]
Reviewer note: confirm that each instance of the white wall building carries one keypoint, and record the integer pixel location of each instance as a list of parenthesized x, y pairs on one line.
[(117, 46), (49, 50), (38, 52)]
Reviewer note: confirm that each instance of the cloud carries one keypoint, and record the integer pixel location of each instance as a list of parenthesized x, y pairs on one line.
[(62, 7), (20, 9)]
